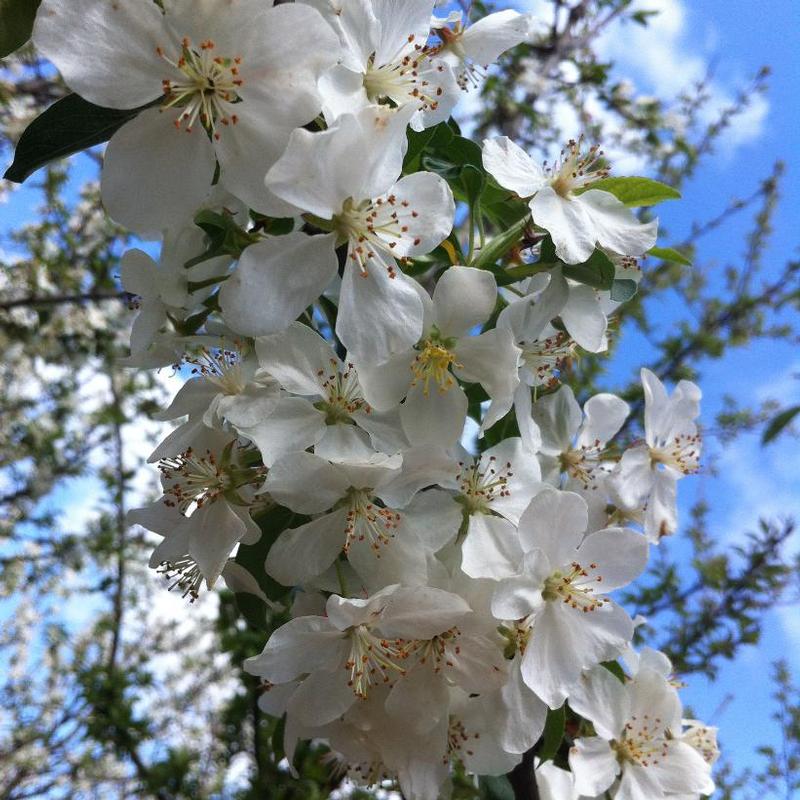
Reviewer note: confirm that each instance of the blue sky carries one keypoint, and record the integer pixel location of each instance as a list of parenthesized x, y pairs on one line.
[(738, 37)]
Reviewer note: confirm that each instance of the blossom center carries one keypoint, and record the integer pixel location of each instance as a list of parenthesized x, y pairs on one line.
[(480, 488), (574, 586), (223, 368), (681, 453), (470, 74), (582, 463), (406, 79), (184, 575), (195, 479), (575, 170), (374, 226), (643, 742), (368, 522), (191, 480), (432, 364), (372, 660), (545, 358), (207, 88), (460, 741), (342, 394)]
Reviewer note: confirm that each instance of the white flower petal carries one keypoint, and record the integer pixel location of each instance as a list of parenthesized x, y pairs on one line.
[(600, 696), (558, 416), (321, 698), (604, 415), (416, 215), (594, 766), (302, 645), (379, 315), (491, 360), (154, 176), (267, 292), (139, 273), (463, 299), (620, 555), (106, 52), (299, 358), (291, 477), (489, 37), (216, 528), (294, 425), (512, 167), (616, 227), (435, 418), (634, 476), (300, 554), (523, 483), (584, 319), (404, 26), (661, 516), (491, 549), (567, 220), (554, 523)]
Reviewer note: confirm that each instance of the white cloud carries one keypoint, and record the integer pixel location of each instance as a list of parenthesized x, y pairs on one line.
[(667, 57), (662, 58)]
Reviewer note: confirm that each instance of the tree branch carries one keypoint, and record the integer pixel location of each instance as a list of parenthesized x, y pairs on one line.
[(60, 299)]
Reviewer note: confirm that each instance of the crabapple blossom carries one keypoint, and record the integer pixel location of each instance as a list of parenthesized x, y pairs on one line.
[(435, 405), (648, 473), (577, 217), (562, 621), (347, 177), (205, 509), (468, 48), (306, 365), (227, 87), (574, 441), (639, 752), (386, 60), (382, 543), (371, 439)]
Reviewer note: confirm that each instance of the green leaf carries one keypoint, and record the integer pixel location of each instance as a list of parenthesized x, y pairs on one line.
[(225, 237), (598, 271), (473, 180), (16, 24), (778, 423), (68, 126), (504, 277), (495, 787), (623, 289), (553, 733), (447, 159), (668, 254), (500, 244), (637, 191), (417, 142), (615, 669)]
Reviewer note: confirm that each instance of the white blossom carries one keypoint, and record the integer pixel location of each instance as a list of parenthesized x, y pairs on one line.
[(577, 217)]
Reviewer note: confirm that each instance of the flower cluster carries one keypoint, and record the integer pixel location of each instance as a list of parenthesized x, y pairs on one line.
[(444, 591)]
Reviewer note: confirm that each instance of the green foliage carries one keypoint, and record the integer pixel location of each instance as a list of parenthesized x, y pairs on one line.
[(779, 423), (553, 733), (70, 125), (16, 24), (669, 254), (636, 192)]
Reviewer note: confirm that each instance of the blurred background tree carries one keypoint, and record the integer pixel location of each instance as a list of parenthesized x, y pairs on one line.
[(112, 687)]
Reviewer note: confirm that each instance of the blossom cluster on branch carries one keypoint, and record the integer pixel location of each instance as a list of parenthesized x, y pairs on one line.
[(346, 280)]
